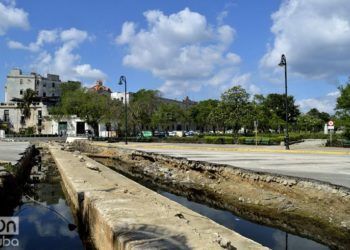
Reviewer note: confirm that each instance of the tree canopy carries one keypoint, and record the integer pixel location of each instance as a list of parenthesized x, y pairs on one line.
[(92, 107)]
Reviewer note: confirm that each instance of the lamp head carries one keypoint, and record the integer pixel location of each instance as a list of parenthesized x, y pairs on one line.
[(283, 61), (122, 80)]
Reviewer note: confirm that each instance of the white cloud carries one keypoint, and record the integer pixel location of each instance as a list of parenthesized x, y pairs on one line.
[(244, 80), (44, 37), (63, 61), (314, 35), (182, 49), (12, 17), (325, 103)]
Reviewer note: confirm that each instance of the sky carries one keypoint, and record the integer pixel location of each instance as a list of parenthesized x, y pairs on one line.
[(183, 48)]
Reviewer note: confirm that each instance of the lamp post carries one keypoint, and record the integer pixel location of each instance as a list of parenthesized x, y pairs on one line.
[(122, 81), (283, 63)]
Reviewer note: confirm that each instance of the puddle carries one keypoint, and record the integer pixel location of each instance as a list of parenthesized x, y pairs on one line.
[(267, 236), (44, 215)]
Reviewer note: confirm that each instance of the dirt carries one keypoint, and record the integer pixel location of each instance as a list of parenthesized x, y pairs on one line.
[(313, 209)]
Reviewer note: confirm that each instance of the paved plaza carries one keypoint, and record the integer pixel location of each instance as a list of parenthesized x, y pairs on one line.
[(12, 151), (325, 164)]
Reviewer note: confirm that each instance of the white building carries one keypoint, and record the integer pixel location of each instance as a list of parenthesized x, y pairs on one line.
[(39, 120), (121, 96)]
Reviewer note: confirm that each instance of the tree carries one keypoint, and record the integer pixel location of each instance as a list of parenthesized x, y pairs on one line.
[(235, 106), (343, 108), (26, 101), (308, 122), (91, 107), (276, 104), (325, 117), (167, 115), (142, 106), (200, 113), (260, 114), (66, 87)]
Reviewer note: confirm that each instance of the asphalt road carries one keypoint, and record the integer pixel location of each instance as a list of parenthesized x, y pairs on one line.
[(11, 151), (325, 164)]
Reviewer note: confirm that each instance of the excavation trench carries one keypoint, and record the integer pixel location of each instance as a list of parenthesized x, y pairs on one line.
[(35, 195), (301, 207)]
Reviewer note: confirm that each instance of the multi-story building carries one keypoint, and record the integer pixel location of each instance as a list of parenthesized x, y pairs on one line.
[(12, 117), (45, 87), (48, 93)]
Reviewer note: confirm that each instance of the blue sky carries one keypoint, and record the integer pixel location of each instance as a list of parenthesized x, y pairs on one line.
[(183, 48)]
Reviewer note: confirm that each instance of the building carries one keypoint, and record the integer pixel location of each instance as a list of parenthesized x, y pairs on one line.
[(185, 103), (45, 87), (48, 93), (99, 88), (39, 121)]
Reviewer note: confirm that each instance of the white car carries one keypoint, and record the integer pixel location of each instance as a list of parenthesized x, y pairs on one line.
[(172, 133)]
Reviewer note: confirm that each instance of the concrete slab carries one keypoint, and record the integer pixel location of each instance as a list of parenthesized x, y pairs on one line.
[(11, 151), (325, 164), (122, 214)]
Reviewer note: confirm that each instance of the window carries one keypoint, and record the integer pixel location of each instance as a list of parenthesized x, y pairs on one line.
[(40, 114), (21, 92), (53, 84), (44, 85), (6, 115), (44, 94), (20, 81), (53, 94)]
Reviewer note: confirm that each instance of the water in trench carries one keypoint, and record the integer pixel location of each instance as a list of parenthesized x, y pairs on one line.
[(267, 236), (44, 216)]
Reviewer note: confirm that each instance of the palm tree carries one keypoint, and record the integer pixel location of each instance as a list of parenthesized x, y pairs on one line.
[(26, 102)]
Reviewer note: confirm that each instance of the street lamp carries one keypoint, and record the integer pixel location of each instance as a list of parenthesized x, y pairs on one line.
[(283, 63), (122, 81)]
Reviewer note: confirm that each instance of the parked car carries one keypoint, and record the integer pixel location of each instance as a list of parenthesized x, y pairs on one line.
[(159, 134), (172, 133), (191, 133)]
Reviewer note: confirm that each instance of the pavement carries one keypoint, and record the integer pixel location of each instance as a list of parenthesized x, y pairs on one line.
[(308, 160), (12, 151)]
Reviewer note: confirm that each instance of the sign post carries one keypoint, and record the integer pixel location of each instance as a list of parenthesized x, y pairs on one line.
[(256, 132), (330, 127)]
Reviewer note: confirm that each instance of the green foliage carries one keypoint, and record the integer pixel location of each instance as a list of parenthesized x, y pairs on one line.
[(26, 101), (276, 104), (66, 87), (343, 109), (308, 122), (142, 106), (200, 113), (325, 117), (219, 139), (167, 114), (234, 108), (92, 107)]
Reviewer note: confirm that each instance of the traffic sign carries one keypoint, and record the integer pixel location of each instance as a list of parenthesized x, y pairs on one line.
[(330, 123)]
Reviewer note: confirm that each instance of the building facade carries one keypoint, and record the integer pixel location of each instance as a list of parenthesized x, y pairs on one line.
[(39, 121), (17, 83)]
